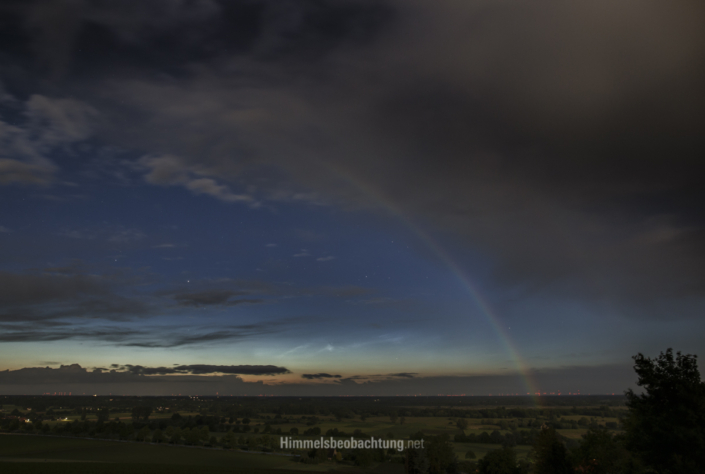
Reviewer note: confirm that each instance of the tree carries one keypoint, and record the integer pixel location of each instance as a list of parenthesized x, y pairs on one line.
[(441, 456), (124, 431), (601, 452), (142, 412), (462, 424), (467, 466), (416, 461), (393, 417), (550, 454), (470, 454), (363, 457), (204, 433), (158, 436), (665, 425), (192, 437), (143, 434), (499, 461), (175, 437), (103, 414), (230, 440)]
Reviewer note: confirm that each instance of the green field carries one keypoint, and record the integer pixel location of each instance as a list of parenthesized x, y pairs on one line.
[(212, 435), (30, 454)]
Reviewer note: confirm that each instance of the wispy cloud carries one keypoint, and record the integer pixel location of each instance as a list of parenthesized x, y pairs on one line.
[(154, 337), (204, 336), (68, 292), (295, 349), (171, 170), (126, 235), (114, 234), (214, 298), (45, 124)]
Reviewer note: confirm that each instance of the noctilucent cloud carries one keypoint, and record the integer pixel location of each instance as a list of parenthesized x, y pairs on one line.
[(348, 198)]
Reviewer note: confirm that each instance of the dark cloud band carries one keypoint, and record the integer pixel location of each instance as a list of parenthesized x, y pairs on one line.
[(320, 376)]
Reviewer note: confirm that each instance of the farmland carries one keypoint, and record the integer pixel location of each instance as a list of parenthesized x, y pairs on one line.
[(183, 434)]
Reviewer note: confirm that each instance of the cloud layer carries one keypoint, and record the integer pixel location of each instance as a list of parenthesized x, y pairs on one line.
[(548, 153), (159, 380), (542, 135)]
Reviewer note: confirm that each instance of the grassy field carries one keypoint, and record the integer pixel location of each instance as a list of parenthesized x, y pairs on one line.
[(30, 454), (75, 450), (381, 427)]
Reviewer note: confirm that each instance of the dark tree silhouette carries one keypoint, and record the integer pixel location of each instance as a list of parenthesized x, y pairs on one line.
[(141, 412), (665, 425), (550, 454), (416, 461), (436, 457), (441, 457), (501, 461), (602, 452)]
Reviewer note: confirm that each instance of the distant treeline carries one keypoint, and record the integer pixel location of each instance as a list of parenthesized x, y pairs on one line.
[(341, 408)]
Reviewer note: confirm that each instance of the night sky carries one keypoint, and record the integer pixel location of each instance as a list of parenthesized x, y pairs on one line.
[(348, 197)]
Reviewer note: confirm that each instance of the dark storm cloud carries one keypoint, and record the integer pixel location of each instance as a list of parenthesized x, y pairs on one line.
[(319, 376), (560, 141), (70, 37)]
